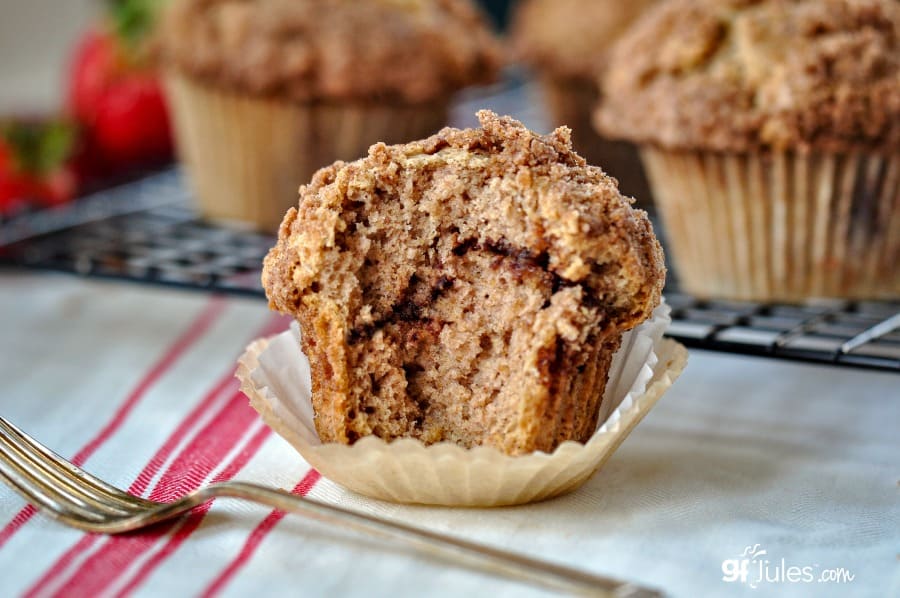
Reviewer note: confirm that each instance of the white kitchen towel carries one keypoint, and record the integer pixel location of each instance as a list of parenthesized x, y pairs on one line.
[(137, 384)]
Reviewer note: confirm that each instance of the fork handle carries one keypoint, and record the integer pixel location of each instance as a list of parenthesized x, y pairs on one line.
[(493, 560)]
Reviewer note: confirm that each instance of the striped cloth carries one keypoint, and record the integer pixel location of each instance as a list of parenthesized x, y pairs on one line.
[(137, 385)]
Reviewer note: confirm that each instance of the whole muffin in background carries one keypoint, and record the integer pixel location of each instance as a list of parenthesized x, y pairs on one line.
[(471, 287), (567, 43), (771, 135), (265, 92)]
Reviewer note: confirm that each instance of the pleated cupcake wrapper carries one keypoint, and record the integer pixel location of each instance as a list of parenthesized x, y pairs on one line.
[(572, 103), (247, 156), (780, 227), (275, 375)]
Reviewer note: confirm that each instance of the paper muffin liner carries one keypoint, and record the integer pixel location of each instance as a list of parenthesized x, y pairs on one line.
[(247, 156), (572, 103), (275, 375), (780, 227)]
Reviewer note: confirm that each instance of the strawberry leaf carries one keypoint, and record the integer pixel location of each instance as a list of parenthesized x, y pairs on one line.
[(38, 148), (133, 20)]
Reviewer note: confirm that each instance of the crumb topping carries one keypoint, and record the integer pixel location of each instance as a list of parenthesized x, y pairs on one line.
[(744, 75), (410, 51)]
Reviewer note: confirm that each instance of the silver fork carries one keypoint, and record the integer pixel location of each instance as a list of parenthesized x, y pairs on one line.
[(76, 498)]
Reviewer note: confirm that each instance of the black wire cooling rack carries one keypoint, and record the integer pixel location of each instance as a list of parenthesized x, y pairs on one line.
[(147, 231)]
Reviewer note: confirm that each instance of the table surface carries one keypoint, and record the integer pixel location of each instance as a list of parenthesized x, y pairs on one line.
[(137, 382)]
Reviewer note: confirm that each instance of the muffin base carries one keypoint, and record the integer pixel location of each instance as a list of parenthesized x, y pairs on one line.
[(572, 103), (276, 378), (246, 157), (481, 348), (780, 227)]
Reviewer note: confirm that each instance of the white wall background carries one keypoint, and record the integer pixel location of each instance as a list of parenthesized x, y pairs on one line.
[(36, 37)]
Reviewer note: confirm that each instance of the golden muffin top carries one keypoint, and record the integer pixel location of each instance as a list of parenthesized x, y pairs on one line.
[(408, 51), (745, 75)]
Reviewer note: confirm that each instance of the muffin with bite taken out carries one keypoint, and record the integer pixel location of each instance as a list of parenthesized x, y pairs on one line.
[(471, 287)]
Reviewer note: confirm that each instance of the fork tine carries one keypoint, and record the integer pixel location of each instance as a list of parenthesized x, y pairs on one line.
[(87, 489), (45, 503), (51, 505), (40, 490)]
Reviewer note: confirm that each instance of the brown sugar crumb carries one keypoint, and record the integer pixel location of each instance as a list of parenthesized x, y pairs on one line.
[(471, 287)]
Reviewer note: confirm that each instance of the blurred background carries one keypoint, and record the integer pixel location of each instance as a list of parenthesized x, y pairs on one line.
[(37, 36), (76, 112)]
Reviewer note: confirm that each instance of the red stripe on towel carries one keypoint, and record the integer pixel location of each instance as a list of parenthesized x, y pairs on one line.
[(63, 563), (227, 384), (194, 333), (203, 455), (257, 536), (196, 518)]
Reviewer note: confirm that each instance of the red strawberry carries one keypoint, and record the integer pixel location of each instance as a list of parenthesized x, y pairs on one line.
[(132, 122), (115, 95), (12, 192), (34, 164), (95, 58)]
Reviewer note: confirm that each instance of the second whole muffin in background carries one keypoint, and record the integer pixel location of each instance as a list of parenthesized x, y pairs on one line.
[(771, 135), (265, 92), (566, 43)]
